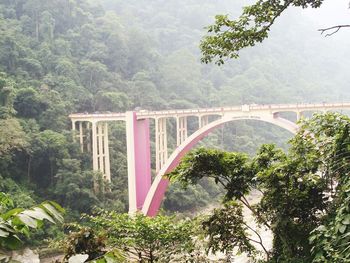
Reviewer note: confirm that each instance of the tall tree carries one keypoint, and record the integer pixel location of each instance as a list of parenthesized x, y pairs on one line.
[(146, 239), (300, 191)]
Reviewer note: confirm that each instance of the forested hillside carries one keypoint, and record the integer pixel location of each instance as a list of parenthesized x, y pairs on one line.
[(64, 56)]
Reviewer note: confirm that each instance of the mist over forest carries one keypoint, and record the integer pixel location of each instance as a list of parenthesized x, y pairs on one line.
[(295, 60), (59, 57)]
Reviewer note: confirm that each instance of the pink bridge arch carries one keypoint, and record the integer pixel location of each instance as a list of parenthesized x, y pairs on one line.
[(159, 186)]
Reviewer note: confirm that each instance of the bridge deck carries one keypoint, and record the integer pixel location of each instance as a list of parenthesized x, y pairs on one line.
[(272, 108)]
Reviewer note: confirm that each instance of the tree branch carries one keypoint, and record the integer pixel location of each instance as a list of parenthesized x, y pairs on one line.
[(286, 5), (259, 242), (334, 28), (246, 203), (252, 240)]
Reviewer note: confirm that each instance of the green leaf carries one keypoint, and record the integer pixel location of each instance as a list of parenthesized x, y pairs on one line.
[(38, 213), (28, 221), (100, 260), (114, 257), (7, 228), (53, 211), (12, 212), (56, 206), (4, 233), (80, 258), (342, 229), (346, 220)]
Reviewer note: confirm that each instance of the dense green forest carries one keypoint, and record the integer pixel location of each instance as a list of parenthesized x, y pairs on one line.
[(64, 56), (58, 57)]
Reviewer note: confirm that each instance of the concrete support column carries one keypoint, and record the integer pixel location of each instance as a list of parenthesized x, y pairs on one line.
[(161, 143), (94, 147), (139, 160), (202, 121), (81, 136), (181, 130), (88, 136), (299, 115), (106, 154), (100, 149), (73, 129), (100, 154)]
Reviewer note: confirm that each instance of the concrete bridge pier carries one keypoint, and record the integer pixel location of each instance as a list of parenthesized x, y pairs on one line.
[(97, 143), (100, 149), (203, 121), (139, 160), (161, 143), (181, 130)]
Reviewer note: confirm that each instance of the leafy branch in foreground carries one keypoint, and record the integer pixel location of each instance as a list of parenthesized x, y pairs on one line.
[(145, 239), (227, 37), (331, 240), (83, 244), (19, 221), (227, 230)]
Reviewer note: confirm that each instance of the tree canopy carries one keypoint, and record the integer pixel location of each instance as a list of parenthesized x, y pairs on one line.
[(303, 194)]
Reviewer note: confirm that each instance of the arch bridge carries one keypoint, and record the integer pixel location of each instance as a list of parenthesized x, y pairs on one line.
[(91, 131)]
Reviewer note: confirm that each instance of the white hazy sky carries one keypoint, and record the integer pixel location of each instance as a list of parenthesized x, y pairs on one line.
[(332, 12)]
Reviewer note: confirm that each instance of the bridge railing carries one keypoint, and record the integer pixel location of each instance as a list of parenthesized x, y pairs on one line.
[(216, 110)]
